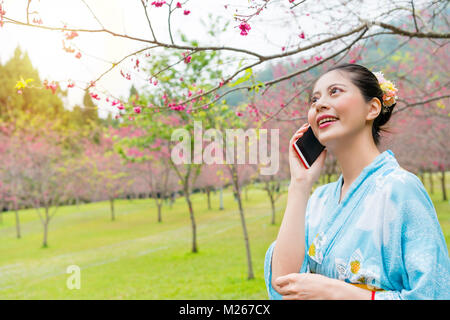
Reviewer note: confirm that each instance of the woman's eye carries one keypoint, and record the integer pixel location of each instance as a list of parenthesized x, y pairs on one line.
[(314, 99), (335, 89)]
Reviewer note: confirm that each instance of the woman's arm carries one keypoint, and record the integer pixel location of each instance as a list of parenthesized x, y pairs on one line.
[(311, 286), (289, 250)]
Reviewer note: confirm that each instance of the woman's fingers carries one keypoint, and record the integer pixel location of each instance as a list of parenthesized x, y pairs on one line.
[(285, 290), (303, 127), (299, 132), (283, 280)]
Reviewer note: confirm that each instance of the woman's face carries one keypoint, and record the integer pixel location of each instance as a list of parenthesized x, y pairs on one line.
[(335, 95)]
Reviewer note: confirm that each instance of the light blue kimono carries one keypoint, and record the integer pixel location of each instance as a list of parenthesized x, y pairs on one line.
[(384, 233)]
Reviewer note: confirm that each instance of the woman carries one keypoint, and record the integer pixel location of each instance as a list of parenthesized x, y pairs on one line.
[(372, 234)]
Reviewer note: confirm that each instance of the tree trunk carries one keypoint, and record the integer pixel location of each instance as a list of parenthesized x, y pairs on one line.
[(159, 205), (431, 182), (194, 227), (208, 194), (250, 274), (172, 199), (221, 199), (444, 191), (111, 204), (237, 194), (46, 221), (17, 224), (272, 202)]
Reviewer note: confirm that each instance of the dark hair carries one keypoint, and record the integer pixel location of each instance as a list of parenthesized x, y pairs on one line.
[(369, 87)]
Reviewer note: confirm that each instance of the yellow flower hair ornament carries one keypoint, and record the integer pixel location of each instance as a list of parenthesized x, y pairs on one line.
[(389, 91)]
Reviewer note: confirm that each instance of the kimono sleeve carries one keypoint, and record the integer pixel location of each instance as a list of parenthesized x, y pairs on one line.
[(416, 258), (273, 294)]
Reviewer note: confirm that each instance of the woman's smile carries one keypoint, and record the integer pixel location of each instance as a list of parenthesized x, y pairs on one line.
[(327, 124)]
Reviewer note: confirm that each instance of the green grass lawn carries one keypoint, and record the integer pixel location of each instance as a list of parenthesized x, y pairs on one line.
[(135, 257)]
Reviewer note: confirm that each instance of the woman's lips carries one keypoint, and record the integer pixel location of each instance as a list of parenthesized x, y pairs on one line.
[(326, 124)]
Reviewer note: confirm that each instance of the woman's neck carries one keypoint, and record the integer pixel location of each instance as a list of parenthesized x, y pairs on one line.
[(353, 157)]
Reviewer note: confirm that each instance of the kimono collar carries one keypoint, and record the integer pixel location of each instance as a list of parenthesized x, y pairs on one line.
[(385, 160), (341, 212)]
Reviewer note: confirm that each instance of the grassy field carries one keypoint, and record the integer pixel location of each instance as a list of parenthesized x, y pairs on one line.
[(135, 257)]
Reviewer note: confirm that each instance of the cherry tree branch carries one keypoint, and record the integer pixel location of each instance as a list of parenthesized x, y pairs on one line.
[(148, 20), (93, 14), (410, 105)]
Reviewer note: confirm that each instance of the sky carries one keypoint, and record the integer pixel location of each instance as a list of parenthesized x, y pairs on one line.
[(270, 32)]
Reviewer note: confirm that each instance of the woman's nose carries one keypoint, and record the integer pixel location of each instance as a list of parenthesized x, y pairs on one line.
[(321, 104)]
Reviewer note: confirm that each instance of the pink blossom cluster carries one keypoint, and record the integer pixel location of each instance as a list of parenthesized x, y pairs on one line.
[(126, 76), (252, 110), (158, 3), (137, 109), (50, 85), (37, 21), (119, 104), (94, 96), (2, 13), (176, 107), (71, 35), (186, 56), (245, 28)]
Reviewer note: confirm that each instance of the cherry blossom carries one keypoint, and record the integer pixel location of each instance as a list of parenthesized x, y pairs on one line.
[(71, 35), (94, 96), (245, 27), (2, 13), (52, 85), (158, 3)]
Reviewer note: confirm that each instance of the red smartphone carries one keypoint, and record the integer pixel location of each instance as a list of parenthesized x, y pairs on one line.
[(308, 148)]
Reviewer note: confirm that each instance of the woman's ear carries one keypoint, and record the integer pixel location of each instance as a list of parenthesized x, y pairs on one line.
[(374, 109)]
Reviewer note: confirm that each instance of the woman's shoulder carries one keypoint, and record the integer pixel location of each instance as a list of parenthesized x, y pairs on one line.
[(404, 183), (407, 194)]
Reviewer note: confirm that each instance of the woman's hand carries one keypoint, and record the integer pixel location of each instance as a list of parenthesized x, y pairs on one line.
[(299, 174), (313, 286), (305, 286)]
